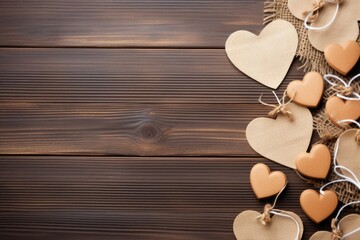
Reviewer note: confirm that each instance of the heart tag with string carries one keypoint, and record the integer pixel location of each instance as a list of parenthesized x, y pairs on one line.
[(272, 223), (349, 152), (283, 136), (347, 228), (348, 224), (328, 21)]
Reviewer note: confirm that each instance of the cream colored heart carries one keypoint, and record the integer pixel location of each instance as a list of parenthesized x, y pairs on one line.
[(282, 139), (344, 28), (265, 58), (347, 224), (248, 227), (349, 152)]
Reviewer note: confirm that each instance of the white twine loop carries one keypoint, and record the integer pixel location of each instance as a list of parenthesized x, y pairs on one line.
[(315, 12), (337, 223), (345, 85)]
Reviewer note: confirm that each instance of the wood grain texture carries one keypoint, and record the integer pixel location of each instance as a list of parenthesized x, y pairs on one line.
[(131, 198), (126, 129), (127, 75), (126, 23)]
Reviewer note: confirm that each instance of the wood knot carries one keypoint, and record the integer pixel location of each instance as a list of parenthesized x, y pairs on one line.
[(149, 131)]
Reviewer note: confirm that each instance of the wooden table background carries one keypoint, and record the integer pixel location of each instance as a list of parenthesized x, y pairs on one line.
[(125, 120)]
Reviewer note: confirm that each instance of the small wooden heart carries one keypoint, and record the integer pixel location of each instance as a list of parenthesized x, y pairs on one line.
[(347, 225), (349, 152), (315, 164), (318, 206), (282, 139), (266, 183), (338, 109), (265, 58), (345, 26), (247, 226), (307, 92), (342, 58)]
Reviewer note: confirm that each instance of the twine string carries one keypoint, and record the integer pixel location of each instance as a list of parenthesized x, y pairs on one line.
[(344, 91), (313, 14), (280, 108)]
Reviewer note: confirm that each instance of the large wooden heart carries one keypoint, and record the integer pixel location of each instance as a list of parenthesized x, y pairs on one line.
[(248, 227), (267, 57), (349, 153), (282, 139), (347, 224)]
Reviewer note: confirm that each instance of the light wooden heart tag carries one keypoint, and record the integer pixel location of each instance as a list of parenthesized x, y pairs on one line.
[(332, 26), (248, 226), (266, 183), (284, 138), (265, 58), (347, 227)]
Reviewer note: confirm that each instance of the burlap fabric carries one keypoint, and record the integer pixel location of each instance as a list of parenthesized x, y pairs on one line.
[(313, 60)]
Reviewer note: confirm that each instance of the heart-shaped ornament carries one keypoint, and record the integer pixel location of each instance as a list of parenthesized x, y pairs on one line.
[(349, 152), (338, 109), (315, 164), (266, 183), (347, 225), (345, 27), (342, 58), (247, 226), (318, 206), (307, 92), (281, 139), (265, 58)]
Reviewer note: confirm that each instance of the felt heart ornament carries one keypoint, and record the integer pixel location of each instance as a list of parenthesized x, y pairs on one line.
[(318, 206), (265, 58), (347, 225), (266, 183), (315, 164), (342, 58), (338, 109), (247, 226), (345, 26), (349, 152), (307, 92), (281, 139)]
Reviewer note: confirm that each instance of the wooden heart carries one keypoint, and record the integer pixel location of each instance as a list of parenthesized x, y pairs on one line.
[(307, 92), (338, 109), (342, 58), (318, 206), (248, 227), (349, 152), (345, 26), (315, 164), (282, 139), (266, 183), (347, 224), (265, 58)]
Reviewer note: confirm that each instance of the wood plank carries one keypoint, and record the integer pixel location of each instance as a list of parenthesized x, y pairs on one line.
[(126, 129), (126, 23), (132, 198), (127, 75)]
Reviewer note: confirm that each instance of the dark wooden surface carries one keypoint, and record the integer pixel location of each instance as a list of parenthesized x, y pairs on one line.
[(125, 120)]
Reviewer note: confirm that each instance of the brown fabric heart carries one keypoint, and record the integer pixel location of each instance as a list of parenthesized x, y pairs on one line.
[(318, 206), (266, 183)]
